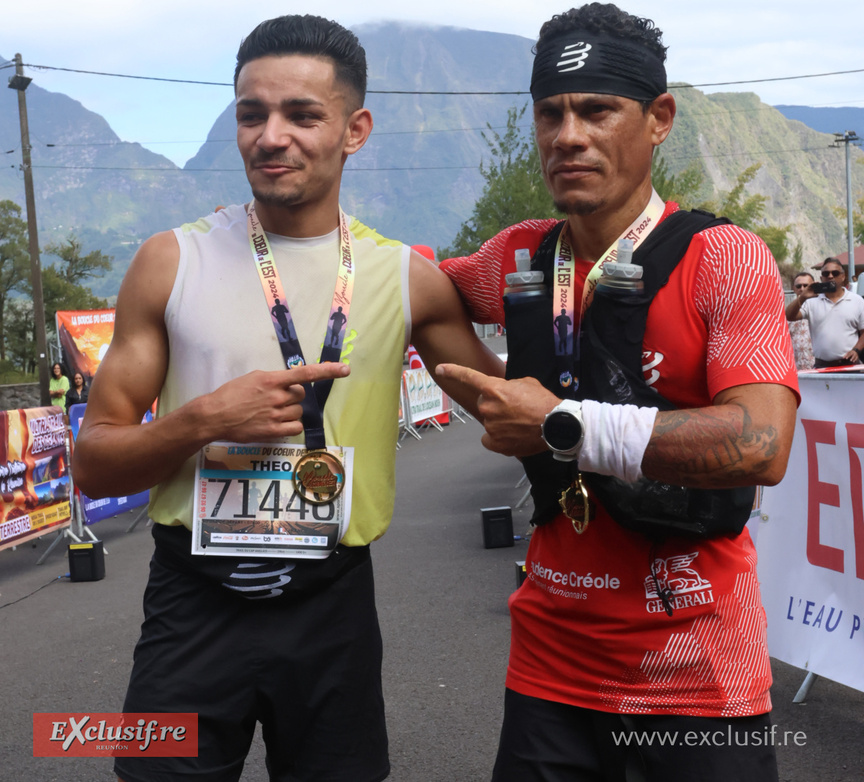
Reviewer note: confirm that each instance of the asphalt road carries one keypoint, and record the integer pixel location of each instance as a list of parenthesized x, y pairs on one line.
[(442, 600)]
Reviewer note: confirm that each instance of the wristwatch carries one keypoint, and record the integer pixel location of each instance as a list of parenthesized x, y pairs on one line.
[(563, 430)]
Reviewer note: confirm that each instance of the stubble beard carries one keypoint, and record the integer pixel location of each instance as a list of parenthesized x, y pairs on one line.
[(281, 200), (578, 208)]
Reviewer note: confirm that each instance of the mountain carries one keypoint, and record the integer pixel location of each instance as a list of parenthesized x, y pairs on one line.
[(827, 119), (417, 177)]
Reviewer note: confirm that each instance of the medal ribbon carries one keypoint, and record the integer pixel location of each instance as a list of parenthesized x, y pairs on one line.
[(564, 296), (286, 334)]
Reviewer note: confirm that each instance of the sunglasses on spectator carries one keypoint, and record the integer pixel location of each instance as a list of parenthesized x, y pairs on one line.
[(801, 284), (832, 273)]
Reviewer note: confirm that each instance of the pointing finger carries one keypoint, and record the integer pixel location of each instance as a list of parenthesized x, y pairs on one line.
[(309, 373), (464, 375)]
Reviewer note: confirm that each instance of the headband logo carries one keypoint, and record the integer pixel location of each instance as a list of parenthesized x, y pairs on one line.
[(577, 55)]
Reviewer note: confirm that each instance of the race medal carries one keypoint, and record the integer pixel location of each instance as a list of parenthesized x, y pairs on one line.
[(319, 477), (576, 505)]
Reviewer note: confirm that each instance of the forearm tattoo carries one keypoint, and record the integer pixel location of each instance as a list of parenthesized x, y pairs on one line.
[(709, 449)]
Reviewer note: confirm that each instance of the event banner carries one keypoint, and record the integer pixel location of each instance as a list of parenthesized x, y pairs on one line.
[(425, 398), (107, 507), (84, 337), (34, 479), (810, 539)]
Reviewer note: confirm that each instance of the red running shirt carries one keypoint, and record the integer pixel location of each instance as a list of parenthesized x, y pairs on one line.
[(588, 627)]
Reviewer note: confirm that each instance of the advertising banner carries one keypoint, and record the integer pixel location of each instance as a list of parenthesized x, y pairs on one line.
[(425, 398), (810, 538), (107, 507), (84, 337), (34, 478), (415, 362)]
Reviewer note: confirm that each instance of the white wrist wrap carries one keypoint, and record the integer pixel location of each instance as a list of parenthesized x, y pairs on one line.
[(616, 437)]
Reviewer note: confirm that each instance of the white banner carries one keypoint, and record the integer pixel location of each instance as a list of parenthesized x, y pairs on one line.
[(425, 398), (810, 538)]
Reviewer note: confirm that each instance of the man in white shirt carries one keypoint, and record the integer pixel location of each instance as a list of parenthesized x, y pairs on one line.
[(836, 318)]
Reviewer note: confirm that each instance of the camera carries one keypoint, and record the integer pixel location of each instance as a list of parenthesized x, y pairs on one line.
[(823, 287)]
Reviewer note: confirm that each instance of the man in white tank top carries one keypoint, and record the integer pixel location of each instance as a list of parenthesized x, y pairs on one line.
[(222, 349)]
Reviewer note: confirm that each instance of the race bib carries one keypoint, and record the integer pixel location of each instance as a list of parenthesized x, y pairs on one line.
[(271, 500)]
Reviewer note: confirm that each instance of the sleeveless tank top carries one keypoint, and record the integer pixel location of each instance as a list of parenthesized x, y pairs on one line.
[(219, 328)]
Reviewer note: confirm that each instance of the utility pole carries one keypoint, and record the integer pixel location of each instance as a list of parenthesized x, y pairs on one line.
[(20, 82), (848, 138)]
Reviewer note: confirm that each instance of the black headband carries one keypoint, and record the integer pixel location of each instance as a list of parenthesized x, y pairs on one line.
[(578, 61)]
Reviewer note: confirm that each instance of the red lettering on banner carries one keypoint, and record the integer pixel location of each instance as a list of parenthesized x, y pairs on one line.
[(855, 439), (820, 493)]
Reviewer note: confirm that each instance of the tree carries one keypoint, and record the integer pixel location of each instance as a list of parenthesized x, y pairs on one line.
[(14, 260), (63, 283), (681, 187), (514, 189), (20, 337)]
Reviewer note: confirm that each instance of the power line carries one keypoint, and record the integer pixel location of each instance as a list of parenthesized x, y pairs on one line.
[(438, 92), (240, 170), (414, 168), (375, 134)]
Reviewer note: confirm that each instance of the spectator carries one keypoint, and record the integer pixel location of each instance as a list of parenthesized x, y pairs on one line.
[(799, 330), (58, 385), (801, 281), (836, 318), (77, 394)]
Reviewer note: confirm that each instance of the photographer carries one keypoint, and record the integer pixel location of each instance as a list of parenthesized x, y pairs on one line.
[(836, 317)]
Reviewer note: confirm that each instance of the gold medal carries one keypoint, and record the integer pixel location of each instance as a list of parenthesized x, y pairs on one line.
[(319, 477), (576, 505)]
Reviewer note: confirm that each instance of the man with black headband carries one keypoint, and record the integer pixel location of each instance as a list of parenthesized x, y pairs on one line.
[(272, 469), (642, 437)]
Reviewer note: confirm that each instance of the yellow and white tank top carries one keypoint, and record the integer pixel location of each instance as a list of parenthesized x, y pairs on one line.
[(219, 328)]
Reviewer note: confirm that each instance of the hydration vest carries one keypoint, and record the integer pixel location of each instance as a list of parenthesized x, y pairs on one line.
[(609, 369)]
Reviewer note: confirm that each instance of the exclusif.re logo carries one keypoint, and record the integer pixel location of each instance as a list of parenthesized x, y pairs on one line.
[(90, 734)]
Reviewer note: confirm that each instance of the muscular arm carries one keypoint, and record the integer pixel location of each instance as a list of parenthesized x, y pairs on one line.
[(115, 454), (441, 330)]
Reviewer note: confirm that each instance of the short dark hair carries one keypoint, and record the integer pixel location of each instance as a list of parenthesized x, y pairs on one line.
[(606, 18), (802, 274), (832, 259), (311, 35)]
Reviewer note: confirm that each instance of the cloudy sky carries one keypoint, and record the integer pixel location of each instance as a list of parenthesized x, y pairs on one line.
[(721, 41)]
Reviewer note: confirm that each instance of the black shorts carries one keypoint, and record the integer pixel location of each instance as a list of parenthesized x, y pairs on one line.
[(307, 666), (544, 741)]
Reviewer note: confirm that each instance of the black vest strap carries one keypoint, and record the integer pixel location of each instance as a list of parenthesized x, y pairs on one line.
[(610, 370)]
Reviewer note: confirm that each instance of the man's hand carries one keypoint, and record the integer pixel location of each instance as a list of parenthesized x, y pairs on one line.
[(512, 411), (852, 356), (263, 406)]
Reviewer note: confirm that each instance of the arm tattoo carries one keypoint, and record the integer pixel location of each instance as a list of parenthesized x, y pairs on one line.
[(709, 449)]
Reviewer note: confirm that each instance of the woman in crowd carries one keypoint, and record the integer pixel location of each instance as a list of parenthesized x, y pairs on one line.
[(58, 385), (77, 394)]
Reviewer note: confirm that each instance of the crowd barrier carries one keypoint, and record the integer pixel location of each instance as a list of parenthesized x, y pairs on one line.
[(810, 535)]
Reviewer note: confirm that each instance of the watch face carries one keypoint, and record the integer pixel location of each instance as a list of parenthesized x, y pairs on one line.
[(562, 431)]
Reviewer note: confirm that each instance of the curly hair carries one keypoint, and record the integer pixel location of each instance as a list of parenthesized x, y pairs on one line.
[(606, 18)]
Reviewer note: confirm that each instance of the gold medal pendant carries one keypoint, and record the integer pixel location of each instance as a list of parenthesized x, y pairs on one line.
[(319, 477), (576, 505)]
